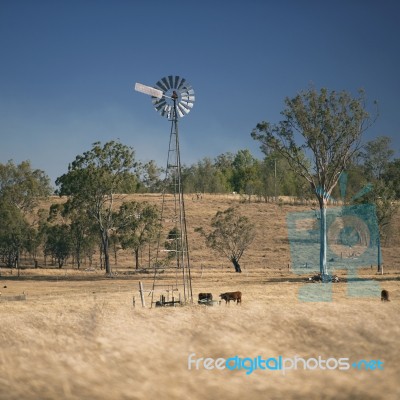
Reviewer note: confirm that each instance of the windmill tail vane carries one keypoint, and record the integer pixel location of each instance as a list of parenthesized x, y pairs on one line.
[(139, 87)]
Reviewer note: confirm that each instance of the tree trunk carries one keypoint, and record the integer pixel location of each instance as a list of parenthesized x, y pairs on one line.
[(101, 254), (323, 267), (78, 255), (107, 261), (137, 258), (105, 242), (380, 266), (17, 262), (115, 253), (236, 265)]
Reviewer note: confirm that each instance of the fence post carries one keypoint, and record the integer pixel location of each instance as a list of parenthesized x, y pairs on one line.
[(141, 293)]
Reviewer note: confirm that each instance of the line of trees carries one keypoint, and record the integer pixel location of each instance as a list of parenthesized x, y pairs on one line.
[(271, 177), (89, 220)]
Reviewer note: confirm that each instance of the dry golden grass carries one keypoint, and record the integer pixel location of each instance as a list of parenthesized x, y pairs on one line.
[(77, 336), (84, 340)]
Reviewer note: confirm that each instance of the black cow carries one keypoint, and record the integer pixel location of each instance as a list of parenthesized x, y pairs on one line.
[(385, 295), (205, 298)]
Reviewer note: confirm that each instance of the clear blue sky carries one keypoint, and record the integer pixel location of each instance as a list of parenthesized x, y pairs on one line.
[(67, 70)]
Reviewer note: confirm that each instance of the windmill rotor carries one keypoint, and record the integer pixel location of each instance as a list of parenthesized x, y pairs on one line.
[(168, 93)]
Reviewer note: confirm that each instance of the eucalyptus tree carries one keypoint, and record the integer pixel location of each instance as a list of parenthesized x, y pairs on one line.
[(151, 177), (82, 231), (21, 188), (138, 224), (392, 176), (14, 234), (231, 234), (58, 243), (204, 177), (246, 173), (322, 129), (92, 182), (376, 156)]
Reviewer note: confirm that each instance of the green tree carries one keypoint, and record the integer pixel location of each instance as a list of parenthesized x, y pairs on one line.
[(92, 181), (245, 173), (58, 243), (391, 176), (277, 179), (230, 236), (383, 197), (14, 233), (22, 186), (151, 177), (331, 126), (83, 229), (204, 177), (138, 225), (224, 165), (376, 156)]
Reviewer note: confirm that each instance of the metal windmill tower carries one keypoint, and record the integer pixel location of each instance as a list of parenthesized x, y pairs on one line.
[(173, 98)]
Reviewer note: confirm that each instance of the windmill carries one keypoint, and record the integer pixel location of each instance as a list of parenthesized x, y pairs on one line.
[(173, 97)]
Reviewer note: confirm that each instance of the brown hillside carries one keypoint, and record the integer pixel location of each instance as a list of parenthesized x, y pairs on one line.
[(268, 255)]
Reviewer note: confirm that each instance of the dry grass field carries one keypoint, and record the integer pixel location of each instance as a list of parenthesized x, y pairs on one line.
[(78, 336)]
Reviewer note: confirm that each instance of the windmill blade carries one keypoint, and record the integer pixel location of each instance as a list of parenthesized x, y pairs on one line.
[(166, 83), (181, 84), (182, 109), (139, 87), (162, 86), (186, 98), (171, 81), (159, 104), (176, 81), (186, 104)]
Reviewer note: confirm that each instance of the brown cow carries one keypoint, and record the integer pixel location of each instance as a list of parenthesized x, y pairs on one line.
[(228, 296), (385, 295)]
